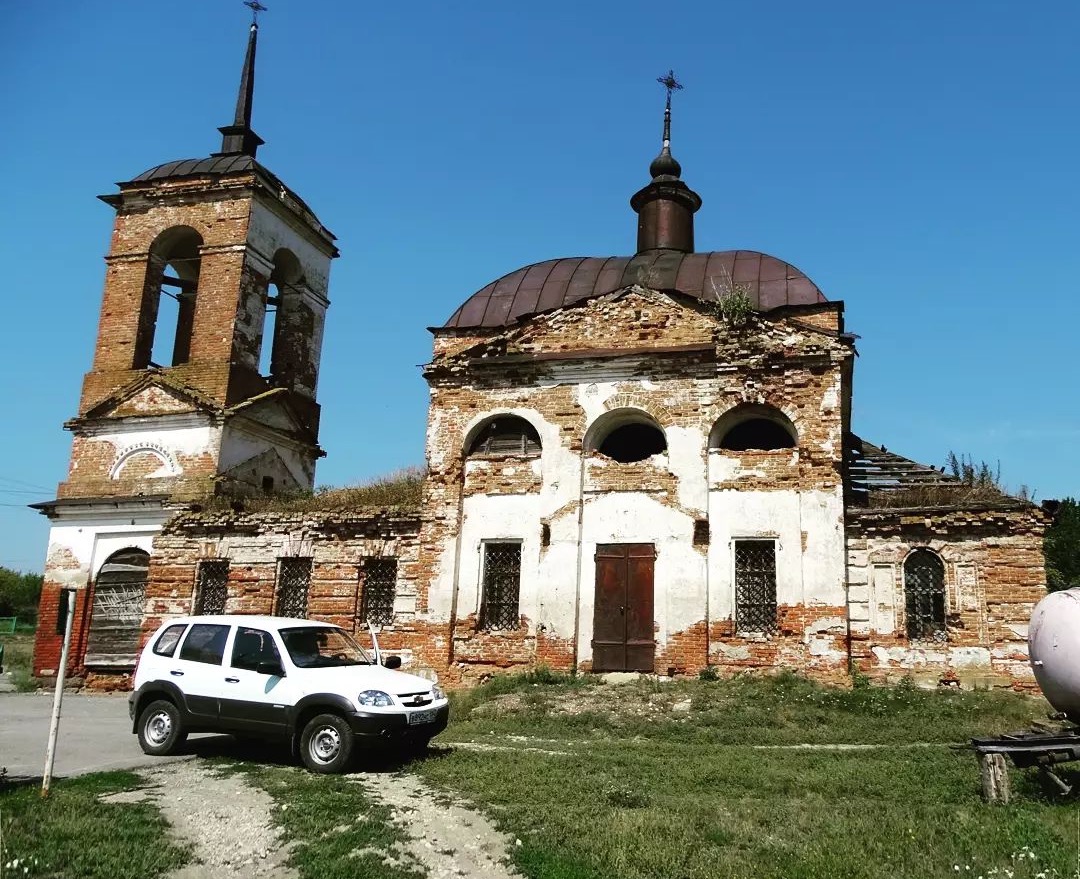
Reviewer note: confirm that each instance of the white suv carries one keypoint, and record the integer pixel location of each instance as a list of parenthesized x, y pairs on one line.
[(273, 677)]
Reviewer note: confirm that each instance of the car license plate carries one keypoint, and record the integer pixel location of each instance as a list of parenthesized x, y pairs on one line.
[(425, 716)]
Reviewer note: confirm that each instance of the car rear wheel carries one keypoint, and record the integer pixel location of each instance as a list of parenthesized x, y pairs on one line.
[(326, 744), (160, 730)]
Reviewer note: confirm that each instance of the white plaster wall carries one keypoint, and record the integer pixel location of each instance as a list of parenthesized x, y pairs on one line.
[(501, 518), (561, 470), (268, 232), (679, 585), (175, 436), (238, 445), (92, 535), (811, 576)]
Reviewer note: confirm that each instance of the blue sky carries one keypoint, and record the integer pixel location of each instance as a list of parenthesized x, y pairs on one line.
[(917, 160)]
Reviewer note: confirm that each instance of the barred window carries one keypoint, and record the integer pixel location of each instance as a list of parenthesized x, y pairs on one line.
[(293, 579), (211, 586), (501, 585), (379, 578), (924, 596), (755, 585)]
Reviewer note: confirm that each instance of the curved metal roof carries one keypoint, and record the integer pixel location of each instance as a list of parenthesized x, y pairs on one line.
[(556, 283), (196, 167)]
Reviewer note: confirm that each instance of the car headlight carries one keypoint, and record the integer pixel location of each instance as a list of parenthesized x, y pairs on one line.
[(437, 692), (376, 698)]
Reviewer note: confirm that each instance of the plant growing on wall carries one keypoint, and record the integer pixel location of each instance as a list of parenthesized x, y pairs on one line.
[(731, 302)]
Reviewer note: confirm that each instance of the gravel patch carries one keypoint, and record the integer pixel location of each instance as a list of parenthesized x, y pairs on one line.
[(226, 822), (447, 837)]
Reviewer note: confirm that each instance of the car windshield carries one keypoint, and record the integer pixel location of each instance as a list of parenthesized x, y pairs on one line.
[(314, 647)]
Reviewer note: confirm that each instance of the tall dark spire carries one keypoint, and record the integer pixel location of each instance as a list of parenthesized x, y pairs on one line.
[(239, 139), (666, 206), (665, 165)]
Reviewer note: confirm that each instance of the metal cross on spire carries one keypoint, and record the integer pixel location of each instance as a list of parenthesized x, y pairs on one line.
[(256, 7), (669, 82)]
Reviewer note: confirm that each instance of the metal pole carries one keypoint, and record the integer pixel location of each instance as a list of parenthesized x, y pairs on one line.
[(58, 695)]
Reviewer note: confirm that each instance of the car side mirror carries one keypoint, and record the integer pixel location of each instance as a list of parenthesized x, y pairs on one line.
[(392, 662), (270, 667)]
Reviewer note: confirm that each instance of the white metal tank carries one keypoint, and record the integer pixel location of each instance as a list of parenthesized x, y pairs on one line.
[(1054, 647)]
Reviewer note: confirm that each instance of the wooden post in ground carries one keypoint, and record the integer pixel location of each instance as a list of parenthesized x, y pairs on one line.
[(995, 777)]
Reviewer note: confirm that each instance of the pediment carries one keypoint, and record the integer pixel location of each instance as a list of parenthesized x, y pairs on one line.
[(273, 410), (251, 472), (151, 396)]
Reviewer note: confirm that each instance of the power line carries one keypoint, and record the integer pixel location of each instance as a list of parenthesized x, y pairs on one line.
[(23, 482)]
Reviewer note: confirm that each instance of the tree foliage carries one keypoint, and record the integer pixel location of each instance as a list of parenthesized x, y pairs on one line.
[(19, 594), (1062, 546)]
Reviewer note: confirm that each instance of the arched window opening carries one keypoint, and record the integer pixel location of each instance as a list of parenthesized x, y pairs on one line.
[(757, 433), (924, 595), (753, 427), (119, 596), (168, 310), (284, 277), (633, 442), (506, 435)]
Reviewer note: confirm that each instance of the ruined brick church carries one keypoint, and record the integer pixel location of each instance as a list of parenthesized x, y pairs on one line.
[(634, 463)]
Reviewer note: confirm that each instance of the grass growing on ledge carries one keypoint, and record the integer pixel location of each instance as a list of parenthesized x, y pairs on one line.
[(706, 779), (402, 490)]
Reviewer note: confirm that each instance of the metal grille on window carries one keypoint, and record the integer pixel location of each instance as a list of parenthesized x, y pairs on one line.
[(755, 585), (212, 587), (924, 591), (502, 583), (380, 582), (294, 576)]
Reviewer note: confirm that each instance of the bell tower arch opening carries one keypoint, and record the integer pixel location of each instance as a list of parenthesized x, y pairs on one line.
[(174, 408), (282, 302), (167, 310)]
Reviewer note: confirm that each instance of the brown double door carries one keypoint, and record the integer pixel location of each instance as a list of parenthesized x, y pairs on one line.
[(623, 611)]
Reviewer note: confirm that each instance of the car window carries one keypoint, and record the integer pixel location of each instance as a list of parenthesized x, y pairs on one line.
[(322, 647), (205, 643), (253, 646), (167, 640)]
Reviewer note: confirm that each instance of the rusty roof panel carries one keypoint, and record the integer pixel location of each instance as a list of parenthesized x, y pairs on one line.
[(561, 282)]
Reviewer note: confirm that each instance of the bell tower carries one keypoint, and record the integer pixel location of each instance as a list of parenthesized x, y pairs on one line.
[(204, 375)]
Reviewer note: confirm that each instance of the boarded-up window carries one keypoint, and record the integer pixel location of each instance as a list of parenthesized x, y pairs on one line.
[(293, 579), (119, 596), (924, 596), (380, 584), (212, 586), (755, 585), (501, 586)]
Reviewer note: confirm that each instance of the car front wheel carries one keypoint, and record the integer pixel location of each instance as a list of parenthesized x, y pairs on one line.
[(160, 730), (326, 744)]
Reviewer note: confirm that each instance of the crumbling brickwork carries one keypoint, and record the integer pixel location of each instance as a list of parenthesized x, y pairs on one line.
[(337, 543), (994, 573), (680, 367)]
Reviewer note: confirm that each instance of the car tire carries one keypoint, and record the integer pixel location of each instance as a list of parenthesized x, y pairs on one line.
[(160, 729), (326, 744)]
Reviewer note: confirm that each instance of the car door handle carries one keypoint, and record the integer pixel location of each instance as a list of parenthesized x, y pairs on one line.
[(232, 680), (176, 674)]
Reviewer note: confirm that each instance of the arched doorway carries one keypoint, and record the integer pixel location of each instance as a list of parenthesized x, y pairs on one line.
[(119, 595)]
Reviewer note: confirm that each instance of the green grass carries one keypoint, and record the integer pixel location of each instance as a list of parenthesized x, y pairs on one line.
[(632, 787), (18, 657), (72, 833), (748, 710), (339, 832)]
